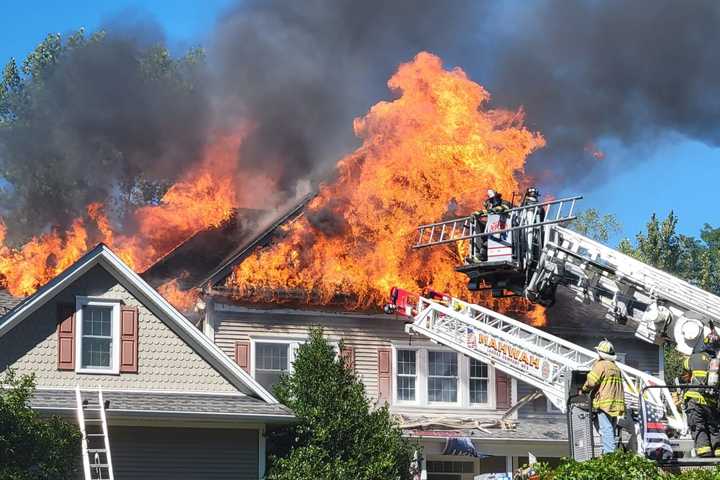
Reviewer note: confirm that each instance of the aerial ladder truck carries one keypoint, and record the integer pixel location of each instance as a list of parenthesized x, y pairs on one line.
[(525, 251)]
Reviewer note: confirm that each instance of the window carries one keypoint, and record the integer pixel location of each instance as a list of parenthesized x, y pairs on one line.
[(98, 324), (271, 361), (479, 379), (445, 470), (442, 377), (406, 375)]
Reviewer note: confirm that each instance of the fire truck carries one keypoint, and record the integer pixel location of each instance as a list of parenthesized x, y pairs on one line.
[(525, 251)]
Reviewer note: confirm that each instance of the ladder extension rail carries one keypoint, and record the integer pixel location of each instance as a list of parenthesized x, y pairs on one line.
[(651, 280), (103, 416), (464, 228), (524, 352), (83, 432)]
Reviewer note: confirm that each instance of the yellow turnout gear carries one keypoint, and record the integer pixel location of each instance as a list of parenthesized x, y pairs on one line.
[(605, 383)]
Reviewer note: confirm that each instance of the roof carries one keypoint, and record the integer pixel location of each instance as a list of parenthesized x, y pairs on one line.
[(7, 302), (191, 261), (263, 237), (103, 256), (170, 404)]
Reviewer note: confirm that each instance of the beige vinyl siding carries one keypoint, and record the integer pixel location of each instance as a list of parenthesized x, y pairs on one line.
[(184, 453), (165, 361), (364, 333)]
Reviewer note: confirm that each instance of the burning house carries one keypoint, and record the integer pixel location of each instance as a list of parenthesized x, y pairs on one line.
[(253, 282)]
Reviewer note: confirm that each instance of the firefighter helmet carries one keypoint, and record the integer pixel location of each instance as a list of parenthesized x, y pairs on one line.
[(606, 350), (491, 193)]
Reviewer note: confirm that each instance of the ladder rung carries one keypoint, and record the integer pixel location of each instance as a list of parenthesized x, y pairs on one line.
[(99, 465), (96, 450), (94, 434)]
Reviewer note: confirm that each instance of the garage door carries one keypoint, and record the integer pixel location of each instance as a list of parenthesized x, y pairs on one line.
[(184, 453)]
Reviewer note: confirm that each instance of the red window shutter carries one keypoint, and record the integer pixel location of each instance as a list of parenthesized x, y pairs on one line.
[(242, 355), (384, 375), (66, 336), (128, 339), (348, 355), (503, 390)]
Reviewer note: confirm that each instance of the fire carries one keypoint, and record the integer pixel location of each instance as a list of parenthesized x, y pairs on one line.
[(183, 300), (537, 316), (204, 197), (428, 154)]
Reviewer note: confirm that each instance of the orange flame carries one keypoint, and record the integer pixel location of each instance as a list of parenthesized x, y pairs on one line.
[(537, 316), (435, 146), (183, 300), (204, 197)]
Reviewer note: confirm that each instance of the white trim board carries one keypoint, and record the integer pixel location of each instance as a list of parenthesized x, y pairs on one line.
[(103, 256)]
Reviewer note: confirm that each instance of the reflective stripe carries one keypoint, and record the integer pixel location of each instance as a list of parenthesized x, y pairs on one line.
[(701, 450)]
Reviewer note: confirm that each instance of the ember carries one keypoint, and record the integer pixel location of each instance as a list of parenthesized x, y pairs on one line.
[(436, 147)]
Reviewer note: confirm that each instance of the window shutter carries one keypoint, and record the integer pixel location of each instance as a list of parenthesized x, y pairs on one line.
[(128, 339), (348, 355), (384, 375), (503, 390), (66, 336), (242, 355)]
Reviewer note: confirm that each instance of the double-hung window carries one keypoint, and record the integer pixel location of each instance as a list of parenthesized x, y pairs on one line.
[(442, 377), (479, 380), (406, 375), (272, 360), (98, 324)]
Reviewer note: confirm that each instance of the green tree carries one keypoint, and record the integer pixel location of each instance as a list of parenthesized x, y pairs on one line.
[(33, 448), (596, 226), (694, 260), (339, 433)]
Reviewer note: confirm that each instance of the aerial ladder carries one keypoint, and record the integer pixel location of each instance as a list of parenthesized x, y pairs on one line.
[(525, 251), (538, 358)]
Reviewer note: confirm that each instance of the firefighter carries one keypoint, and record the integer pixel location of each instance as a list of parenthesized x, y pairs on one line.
[(604, 384), (701, 405), (495, 203), (532, 196)]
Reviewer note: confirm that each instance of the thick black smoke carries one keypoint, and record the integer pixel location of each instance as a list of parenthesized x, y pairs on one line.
[(93, 123), (300, 71), (587, 70), (303, 70)]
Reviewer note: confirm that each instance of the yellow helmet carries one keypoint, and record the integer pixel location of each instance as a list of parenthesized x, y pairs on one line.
[(606, 350)]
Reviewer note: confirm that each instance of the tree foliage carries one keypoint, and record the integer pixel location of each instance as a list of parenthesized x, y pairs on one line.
[(692, 259), (33, 448), (339, 434), (593, 224)]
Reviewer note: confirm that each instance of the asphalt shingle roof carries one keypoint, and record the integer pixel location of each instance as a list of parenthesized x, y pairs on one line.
[(7, 302), (164, 404)]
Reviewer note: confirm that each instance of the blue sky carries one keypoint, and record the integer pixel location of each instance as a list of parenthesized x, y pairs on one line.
[(677, 174)]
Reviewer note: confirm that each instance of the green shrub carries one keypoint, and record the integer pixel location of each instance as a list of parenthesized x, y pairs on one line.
[(618, 466)]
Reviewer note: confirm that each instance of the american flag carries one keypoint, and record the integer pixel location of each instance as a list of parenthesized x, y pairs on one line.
[(655, 440)]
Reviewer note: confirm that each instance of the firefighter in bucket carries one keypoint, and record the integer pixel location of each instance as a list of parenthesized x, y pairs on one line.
[(701, 405)]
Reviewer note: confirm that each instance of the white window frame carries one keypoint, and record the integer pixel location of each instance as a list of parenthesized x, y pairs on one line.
[(397, 401), (490, 389), (293, 344), (81, 302), (458, 379), (421, 379)]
